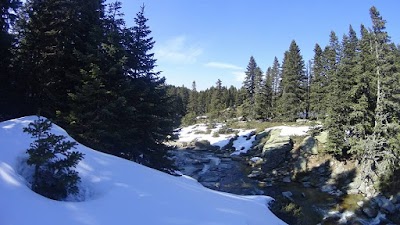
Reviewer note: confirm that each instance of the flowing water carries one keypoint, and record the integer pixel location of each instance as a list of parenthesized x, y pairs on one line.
[(220, 172)]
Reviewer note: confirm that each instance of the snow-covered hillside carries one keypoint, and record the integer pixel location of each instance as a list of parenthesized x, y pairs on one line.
[(117, 191)]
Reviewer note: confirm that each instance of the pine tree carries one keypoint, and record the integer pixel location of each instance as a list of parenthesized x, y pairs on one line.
[(192, 107), (259, 95), (294, 85), (152, 120), (8, 94), (217, 104), (193, 98), (54, 175), (249, 84), (276, 79), (55, 43), (319, 85), (139, 45), (363, 94), (337, 120), (381, 151), (268, 92)]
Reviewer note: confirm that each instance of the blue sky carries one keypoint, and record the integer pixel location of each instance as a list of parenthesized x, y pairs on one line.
[(206, 40)]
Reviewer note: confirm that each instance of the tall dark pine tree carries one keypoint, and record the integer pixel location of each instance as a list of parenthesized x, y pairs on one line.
[(276, 77), (319, 85), (249, 85), (8, 10), (337, 119), (193, 104), (341, 98), (268, 94), (217, 104), (153, 115), (363, 93), (294, 85), (56, 41), (139, 46), (259, 95)]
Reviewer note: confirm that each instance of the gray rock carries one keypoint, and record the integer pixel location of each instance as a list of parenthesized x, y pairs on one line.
[(288, 195), (300, 165), (261, 135), (255, 161), (236, 157), (328, 188), (395, 198), (388, 207), (309, 145), (204, 145), (276, 149), (306, 184), (286, 180), (370, 212), (255, 174), (322, 137)]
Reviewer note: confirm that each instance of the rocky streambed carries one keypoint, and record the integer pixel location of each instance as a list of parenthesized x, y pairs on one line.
[(308, 188)]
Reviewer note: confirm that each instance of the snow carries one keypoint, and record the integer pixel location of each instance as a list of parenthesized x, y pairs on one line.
[(243, 143), (291, 130), (199, 132), (117, 191)]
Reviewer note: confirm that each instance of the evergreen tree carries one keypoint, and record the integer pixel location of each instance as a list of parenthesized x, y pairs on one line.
[(268, 92), (339, 109), (152, 116), (54, 175), (319, 85), (294, 85), (363, 94), (193, 98), (249, 85), (192, 107), (259, 95), (56, 40), (231, 99), (217, 104), (381, 151), (8, 10), (276, 78), (139, 45)]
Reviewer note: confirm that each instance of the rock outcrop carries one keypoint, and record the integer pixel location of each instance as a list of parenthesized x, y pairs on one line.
[(275, 150), (309, 146)]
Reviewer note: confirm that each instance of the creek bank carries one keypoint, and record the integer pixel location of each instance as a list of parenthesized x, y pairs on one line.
[(291, 169)]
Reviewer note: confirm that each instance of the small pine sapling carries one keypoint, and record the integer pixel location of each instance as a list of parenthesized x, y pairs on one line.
[(54, 162)]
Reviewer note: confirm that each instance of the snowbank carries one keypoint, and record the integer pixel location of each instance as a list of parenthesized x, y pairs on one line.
[(291, 131), (117, 191)]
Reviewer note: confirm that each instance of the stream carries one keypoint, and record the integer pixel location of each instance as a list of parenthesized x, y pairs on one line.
[(221, 172)]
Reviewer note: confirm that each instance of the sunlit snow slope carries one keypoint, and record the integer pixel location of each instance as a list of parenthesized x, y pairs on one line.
[(117, 191)]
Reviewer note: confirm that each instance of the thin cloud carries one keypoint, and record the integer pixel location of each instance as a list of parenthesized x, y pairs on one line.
[(239, 75), (178, 51), (220, 65)]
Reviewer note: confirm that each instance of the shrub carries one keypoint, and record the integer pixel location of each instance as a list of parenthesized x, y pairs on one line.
[(53, 161)]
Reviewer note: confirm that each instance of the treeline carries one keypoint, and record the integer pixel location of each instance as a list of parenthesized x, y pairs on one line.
[(352, 85), (77, 63)]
